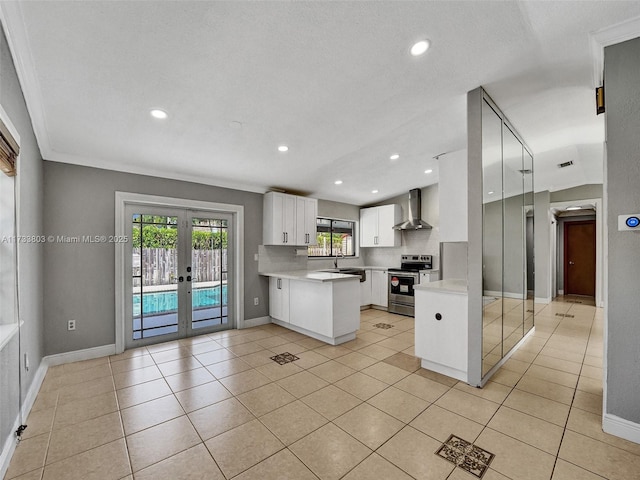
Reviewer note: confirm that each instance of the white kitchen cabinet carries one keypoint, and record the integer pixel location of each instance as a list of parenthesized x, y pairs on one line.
[(376, 226), (289, 220), (326, 310), (365, 290), (379, 288), (279, 307), (430, 276), (321, 305), (306, 215), (441, 326)]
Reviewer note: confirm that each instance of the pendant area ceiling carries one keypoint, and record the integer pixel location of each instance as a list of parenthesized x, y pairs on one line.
[(334, 81)]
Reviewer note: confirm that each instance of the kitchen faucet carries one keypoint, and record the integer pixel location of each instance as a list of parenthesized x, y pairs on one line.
[(335, 261)]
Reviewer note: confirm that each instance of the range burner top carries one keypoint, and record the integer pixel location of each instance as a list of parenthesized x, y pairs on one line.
[(414, 263)]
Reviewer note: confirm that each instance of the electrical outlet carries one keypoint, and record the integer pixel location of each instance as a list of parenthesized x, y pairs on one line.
[(71, 325), (256, 301)]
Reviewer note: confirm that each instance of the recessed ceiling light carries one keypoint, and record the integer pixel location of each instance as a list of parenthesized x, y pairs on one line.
[(157, 113), (338, 182), (374, 191), (235, 125), (428, 171), (283, 148), (419, 48), (395, 156), (491, 192), (574, 208)]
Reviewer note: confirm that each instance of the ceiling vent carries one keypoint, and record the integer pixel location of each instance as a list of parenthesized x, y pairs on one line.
[(527, 171), (565, 164)]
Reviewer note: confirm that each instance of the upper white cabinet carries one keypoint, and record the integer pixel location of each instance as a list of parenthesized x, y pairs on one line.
[(376, 226), (289, 220), (306, 214)]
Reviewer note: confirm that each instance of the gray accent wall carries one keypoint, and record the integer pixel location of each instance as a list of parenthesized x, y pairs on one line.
[(80, 278), (30, 256), (582, 192), (622, 177), (542, 245)]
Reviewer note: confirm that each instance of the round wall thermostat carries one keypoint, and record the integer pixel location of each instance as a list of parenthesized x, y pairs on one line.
[(633, 222)]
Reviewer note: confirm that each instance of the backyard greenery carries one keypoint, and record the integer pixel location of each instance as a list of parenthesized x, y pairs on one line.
[(166, 236)]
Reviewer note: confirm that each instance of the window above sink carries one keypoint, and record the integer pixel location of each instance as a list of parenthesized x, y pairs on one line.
[(335, 237)]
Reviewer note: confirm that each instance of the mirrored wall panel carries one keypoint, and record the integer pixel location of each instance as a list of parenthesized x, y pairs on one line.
[(507, 262)]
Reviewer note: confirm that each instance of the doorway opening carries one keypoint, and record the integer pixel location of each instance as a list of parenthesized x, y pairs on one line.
[(580, 258), (180, 270)]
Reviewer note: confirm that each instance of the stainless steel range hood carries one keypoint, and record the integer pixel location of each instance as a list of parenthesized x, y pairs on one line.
[(415, 221)]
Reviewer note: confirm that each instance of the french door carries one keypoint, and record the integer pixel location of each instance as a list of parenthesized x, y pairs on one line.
[(179, 275)]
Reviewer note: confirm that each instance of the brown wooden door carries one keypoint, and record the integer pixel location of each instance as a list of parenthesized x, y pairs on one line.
[(580, 258)]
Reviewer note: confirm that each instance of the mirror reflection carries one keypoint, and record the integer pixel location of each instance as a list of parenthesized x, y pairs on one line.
[(507, 171)]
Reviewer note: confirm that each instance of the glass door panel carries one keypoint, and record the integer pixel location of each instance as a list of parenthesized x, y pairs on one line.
[(210, 285), (154, 260)]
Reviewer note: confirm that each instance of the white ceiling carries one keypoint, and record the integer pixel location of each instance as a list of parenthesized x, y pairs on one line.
[(332, 80)]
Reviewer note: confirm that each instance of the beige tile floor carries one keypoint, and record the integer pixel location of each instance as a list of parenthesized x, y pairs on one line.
[(217, 407)]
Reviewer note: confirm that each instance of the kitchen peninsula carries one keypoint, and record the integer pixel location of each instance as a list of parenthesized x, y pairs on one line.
[(322, 305)]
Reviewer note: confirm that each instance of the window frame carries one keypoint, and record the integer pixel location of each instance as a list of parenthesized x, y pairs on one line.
[(354, 237)]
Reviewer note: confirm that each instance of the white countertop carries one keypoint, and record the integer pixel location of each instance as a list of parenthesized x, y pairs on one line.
[(453, 285), (311, 276)]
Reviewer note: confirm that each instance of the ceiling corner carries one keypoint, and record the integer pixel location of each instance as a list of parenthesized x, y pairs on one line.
[(14, 30)]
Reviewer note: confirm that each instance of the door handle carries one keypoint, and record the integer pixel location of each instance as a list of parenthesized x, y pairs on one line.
[(279, 283), (181, 279), (284, 237), (188, 278), (571, 263)]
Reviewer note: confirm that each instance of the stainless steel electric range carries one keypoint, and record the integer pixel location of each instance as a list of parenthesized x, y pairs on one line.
[(402, 280)]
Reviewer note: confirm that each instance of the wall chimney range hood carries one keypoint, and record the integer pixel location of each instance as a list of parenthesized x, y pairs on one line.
[(415, 221)]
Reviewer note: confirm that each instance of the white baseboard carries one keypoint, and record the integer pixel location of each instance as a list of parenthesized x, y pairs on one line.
[(254, 322), (445, 370), (80, 355), (621, 428), (10, 442), (492, 293), (545, 300)]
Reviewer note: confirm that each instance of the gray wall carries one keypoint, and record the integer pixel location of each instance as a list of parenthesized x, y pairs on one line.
[(413, 241), (29, 190), (622, 177), (79, 279), (542, 244), (582, 192)]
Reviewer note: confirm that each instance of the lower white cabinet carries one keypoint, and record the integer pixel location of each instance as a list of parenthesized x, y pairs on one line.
[(326, 310), (379, 288), (365, 290), (441, 325), (279, 298)]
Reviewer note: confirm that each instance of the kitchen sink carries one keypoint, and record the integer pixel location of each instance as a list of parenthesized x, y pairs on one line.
[(350, 271)]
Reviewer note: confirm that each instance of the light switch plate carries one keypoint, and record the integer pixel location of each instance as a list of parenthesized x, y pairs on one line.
[(629, 222)]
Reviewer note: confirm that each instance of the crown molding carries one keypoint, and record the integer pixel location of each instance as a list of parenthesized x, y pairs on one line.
[(605, 37)]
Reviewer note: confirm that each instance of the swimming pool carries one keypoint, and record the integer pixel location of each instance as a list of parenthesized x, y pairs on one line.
[(164, 302)]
